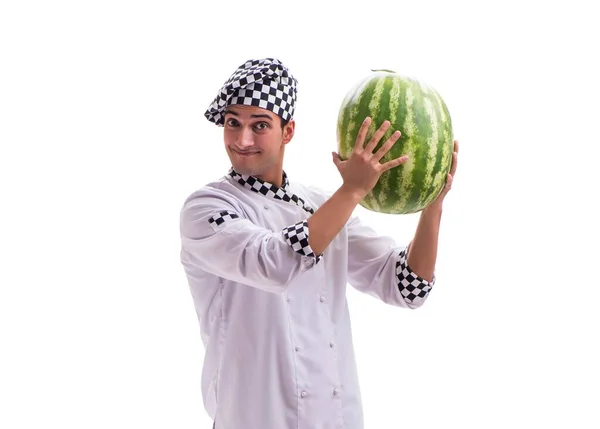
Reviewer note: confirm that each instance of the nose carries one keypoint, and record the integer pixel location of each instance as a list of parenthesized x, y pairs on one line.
[(246, 138)]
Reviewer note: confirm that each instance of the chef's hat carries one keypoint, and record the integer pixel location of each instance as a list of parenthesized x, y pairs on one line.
[(264, 83)]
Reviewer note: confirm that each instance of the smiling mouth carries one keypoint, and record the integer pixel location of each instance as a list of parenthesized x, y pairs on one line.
[(244, 153)]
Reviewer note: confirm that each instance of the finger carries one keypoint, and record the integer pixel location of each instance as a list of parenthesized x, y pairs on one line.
[(362, 134), (456, 146), (387, 146), (454, 163), (445, 189), (377, 136), (449, 180), (394, 163), (448, 185), (336, 159)]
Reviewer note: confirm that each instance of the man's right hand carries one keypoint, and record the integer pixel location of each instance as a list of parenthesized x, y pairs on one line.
[(361, 171)]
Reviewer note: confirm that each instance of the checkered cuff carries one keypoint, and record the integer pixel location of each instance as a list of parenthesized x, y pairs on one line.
[(297, 237), (412, 287), (221, 217)]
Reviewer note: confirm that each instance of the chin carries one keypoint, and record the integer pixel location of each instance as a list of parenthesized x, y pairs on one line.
[(246, 170)]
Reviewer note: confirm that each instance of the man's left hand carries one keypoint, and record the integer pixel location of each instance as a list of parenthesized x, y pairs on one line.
[(437, 203)]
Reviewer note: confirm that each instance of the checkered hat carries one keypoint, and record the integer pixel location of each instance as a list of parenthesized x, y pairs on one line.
[(264, 83)]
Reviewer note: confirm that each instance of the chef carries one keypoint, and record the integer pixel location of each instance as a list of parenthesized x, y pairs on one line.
[(268, 261)]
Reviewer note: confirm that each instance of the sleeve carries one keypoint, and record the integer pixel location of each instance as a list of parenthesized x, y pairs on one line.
[(378, 267), (216, 238)]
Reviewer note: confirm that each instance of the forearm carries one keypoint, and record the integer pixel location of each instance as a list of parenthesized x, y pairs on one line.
[(422, 253), (330, 218)]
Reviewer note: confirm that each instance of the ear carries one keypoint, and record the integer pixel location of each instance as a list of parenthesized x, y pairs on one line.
[(288, 131)]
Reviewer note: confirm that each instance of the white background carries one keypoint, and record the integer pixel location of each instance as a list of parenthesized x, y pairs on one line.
[(103, 136)]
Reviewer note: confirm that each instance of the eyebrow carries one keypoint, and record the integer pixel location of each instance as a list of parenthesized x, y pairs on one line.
[(252, 116)]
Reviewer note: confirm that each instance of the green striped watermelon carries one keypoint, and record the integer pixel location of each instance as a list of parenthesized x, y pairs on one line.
[(418, 111)]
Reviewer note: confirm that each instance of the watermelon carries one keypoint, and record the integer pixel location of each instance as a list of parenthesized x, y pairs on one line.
[(420, 114)]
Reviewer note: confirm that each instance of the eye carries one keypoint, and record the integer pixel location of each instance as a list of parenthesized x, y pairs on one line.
[(231, 122), (261, 126)]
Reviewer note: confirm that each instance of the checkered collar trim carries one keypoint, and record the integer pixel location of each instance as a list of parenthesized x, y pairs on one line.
[(269, 190)]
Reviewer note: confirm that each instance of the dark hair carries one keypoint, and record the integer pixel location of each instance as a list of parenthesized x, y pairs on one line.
[(283, 122)]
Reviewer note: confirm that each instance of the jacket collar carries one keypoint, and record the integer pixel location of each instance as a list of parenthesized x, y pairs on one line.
[(268, 189)]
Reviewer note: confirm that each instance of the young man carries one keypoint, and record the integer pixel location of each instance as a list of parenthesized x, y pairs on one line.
[(268, 261)]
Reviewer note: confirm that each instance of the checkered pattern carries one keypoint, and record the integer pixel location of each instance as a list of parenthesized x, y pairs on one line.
[(269, 190), (222, 217), (297, 237), (264, 83), (412, 287)]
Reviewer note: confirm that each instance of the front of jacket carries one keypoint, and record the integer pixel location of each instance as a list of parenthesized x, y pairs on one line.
[(273, 316)]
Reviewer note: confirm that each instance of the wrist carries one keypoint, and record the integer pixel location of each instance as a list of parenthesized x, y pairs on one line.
[(434, 209), (351, 194)]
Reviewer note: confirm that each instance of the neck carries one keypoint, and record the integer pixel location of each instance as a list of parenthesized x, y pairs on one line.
[(274, 178), (277, 181)]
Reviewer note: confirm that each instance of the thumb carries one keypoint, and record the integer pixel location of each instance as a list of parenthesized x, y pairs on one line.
[(446, 188), (336, 159)]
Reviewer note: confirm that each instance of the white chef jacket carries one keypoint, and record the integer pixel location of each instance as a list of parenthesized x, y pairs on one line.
[(273, 316)]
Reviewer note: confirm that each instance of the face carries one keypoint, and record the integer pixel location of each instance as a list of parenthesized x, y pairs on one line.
[(255, 141)]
